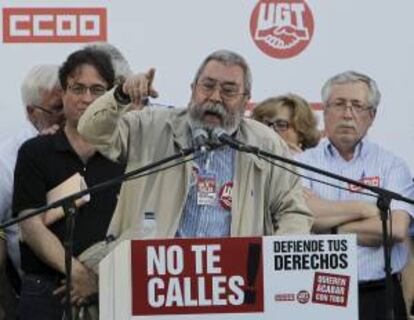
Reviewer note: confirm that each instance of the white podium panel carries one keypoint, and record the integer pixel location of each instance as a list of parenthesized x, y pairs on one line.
[(289, 277)]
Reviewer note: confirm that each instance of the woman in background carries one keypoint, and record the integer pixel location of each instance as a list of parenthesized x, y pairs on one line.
[(292, 118)]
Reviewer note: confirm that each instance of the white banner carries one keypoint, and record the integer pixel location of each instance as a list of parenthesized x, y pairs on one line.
[(295, 278), (292, 46)]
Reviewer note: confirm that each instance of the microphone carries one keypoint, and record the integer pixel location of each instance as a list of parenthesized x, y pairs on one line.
[(221, 135), (200, 139)]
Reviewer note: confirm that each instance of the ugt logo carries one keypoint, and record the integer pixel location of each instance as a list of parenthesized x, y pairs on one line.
[(54, 25), (281, 28)]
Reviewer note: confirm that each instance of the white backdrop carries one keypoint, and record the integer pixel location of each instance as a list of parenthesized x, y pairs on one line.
[(370, 36)]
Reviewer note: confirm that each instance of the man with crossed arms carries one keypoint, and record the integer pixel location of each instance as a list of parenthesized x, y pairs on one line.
[(350, 102)]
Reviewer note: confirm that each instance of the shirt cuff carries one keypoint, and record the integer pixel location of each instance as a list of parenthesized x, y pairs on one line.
[(120, 96)]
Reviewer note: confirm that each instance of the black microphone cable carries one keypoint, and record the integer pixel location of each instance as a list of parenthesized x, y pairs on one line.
[(222, 136)]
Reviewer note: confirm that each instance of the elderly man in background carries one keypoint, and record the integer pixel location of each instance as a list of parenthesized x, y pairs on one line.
[(249, 196), (41, 95), (350, 101)]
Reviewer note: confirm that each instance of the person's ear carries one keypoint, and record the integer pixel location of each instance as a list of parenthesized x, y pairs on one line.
[(31, 115), (29, 110)]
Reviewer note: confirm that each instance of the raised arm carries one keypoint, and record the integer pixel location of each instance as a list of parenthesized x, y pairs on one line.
[(104, 123)]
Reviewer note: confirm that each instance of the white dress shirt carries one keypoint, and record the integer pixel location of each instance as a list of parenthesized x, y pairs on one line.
[(8, 155)]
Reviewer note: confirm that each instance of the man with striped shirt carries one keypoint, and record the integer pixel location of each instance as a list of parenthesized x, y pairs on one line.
[(350, 101), (222, 193)]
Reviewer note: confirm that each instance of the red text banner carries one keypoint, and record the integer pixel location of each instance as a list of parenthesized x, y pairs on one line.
[(197, 276), (28, 25)]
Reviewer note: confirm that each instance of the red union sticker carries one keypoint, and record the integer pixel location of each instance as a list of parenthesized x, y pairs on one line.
[(31, 25), (281, 28), (331, 289), (370, 181), (225, 197)]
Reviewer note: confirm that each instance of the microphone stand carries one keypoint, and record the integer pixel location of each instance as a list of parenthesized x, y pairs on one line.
[(70, 210), (383, 203)]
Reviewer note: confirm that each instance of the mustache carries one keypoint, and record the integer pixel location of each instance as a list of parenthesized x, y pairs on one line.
[(229, 120), (214, 108), (346, 124)]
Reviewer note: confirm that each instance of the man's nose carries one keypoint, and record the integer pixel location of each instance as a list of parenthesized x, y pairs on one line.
[(88, 97), (349, 112), (216, 94)]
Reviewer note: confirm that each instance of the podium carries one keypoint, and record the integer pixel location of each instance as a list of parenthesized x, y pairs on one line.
[(285, 277)]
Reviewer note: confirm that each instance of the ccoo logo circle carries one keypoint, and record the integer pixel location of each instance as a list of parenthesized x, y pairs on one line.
[(281, 28)]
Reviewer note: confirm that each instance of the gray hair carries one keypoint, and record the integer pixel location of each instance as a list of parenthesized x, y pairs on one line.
[(374, 95), (228, 58), (43, 77), (119, 63)]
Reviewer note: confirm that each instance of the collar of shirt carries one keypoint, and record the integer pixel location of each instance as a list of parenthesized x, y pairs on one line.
[(61, 142), (361, 149)]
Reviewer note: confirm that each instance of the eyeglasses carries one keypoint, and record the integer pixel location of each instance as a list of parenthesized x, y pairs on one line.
[(79, 89), (342, 105), (278, 125), (227, 91), (53, 111)]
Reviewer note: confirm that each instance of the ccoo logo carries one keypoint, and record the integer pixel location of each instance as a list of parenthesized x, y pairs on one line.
[(54, 25), (281, 28)]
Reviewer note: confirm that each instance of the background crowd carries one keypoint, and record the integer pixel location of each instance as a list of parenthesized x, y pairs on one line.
[(89, 120)]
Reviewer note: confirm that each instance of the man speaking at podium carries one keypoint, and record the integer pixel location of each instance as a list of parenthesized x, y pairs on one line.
[(223, 192)]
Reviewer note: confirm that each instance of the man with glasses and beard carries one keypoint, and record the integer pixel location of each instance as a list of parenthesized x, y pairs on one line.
[(350, 101), (222, 193)]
